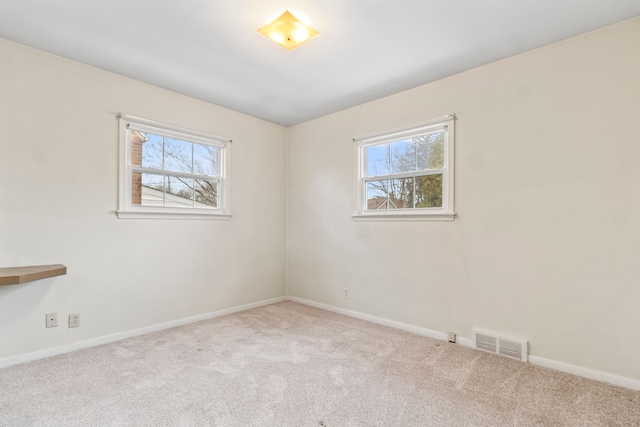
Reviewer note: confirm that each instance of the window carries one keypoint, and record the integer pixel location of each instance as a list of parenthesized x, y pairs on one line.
[(170, 172), (407, 174)]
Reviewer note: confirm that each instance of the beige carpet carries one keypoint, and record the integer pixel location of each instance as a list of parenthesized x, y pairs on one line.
[(291, 365)]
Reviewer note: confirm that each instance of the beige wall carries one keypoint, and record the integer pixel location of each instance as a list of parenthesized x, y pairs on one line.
[(58, 194), (546, 243)]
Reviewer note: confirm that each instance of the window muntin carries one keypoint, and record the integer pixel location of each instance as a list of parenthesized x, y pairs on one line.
[(408, 172), (167, 170)]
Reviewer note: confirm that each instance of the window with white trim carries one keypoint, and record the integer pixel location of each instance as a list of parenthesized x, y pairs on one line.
[(172, 172), (407, 174)]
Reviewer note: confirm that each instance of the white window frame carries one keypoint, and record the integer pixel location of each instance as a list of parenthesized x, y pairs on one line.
[(444, 213), (127, 210)]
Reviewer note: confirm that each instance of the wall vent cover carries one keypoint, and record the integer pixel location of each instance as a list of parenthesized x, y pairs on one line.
[(499, 344)]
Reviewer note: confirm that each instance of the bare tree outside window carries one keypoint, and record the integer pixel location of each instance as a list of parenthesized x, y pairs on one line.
[(406, 174), (180, 173)]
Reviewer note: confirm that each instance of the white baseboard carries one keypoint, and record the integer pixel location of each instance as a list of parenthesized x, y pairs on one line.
[(379, 320), (466, 342), (67, 348), (580, 371)]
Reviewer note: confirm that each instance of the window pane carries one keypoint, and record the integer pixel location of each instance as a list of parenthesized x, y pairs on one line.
[(206, 159), (377, 192), (429, 191), (403, 157), (174, 192), (377, 160), (179, 192), (151, 150), (430, 150), (206, 193), (178, 155), (401, 193), (147, 189)]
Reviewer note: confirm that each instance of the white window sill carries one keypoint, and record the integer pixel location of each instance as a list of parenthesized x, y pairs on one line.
[(154, 214), (404, 216)]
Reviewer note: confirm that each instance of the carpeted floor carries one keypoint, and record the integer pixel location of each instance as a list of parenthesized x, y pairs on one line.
[(288, 364)]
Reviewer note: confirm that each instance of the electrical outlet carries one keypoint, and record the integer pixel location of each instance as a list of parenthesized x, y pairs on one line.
[(452, 337), (346, 293), (74, 320), (51, 320)]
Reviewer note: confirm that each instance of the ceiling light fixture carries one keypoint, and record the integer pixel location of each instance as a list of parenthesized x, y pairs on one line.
[(288, 31)]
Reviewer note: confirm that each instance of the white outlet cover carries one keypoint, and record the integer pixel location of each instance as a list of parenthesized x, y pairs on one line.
[(51, 320), (74, 320)]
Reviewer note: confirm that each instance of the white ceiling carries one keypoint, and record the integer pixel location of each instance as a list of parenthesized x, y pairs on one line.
[(367, 49)]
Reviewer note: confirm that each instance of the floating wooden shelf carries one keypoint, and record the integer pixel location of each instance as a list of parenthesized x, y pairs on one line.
[(15, 275)]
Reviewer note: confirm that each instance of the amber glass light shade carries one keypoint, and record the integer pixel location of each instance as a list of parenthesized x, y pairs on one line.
[(288, 31)]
